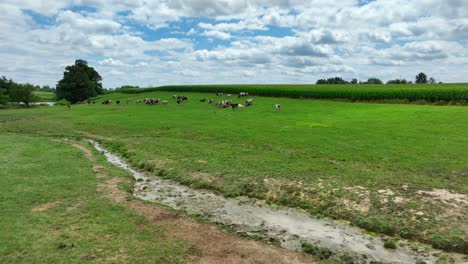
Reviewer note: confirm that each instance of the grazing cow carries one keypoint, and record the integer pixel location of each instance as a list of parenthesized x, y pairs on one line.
[(236, 106), (242, 94), (152, 101), (210, 101), (164, 102), (181, 98), (249, 102), (203, 100), (117, 102), (94, 102), (222, 104), (277, 107), (228, 95), (107, 102), (219, 94)]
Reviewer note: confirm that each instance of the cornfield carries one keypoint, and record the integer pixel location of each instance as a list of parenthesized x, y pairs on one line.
[(432, 93)]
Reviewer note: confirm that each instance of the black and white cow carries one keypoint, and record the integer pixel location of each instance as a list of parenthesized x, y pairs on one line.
[(242, 94), (277, 107)]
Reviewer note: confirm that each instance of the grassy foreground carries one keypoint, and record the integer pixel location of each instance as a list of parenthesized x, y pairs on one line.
[(422, 94), (370, 164), (51, 211)]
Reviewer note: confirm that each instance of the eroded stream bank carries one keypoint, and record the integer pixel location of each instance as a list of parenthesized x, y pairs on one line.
[(291, 228)]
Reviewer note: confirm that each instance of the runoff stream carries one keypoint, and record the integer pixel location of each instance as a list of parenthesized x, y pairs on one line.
[(289, 228)]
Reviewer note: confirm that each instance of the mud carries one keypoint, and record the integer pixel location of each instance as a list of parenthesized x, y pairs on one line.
[(290, 228)]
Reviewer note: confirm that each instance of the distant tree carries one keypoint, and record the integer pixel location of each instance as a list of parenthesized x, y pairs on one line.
[(421, 78), (374, 81), (23, 93), (46, 88), (335, 80), (354, 81), (6, 84), (432, 80), (79, 83), (398, 81), (3, 96)]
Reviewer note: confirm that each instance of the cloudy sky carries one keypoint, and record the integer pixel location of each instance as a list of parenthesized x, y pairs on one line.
[(157, 42)]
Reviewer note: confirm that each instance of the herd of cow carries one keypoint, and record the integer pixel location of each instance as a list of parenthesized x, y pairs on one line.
[(181, 99)]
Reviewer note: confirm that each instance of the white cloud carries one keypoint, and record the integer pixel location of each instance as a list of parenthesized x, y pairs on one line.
[(262, 40)]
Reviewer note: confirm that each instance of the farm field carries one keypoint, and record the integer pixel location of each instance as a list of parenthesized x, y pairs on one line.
[(44, 96), (61, 202), (393, 93), (52, 211), (395, 169)]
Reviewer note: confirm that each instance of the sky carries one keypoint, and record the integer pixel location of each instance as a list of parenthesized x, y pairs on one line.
[(161, 42)]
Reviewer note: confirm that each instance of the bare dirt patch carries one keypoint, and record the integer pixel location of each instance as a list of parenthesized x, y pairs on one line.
[(203, 176), (361, 206), (88, 153), (89, 135), (44, 207), (445, 196)]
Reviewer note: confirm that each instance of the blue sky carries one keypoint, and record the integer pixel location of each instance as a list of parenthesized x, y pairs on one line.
[(158, 42)]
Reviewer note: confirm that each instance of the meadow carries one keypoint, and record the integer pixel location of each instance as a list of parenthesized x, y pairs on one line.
[(414, 93), (52, 212), (373, 165), (44, 96)]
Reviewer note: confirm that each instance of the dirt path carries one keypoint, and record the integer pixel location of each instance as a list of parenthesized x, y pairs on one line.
[(209, 243)]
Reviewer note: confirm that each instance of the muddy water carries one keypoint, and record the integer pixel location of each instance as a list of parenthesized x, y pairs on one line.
[(287, 226)]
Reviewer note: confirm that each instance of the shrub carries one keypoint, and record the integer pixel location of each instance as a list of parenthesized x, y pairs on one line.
[(62, 102), (390, 244)]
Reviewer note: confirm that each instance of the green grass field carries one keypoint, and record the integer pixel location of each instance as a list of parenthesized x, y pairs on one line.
[(364, 163), (51, 211), (44, 96), (420, 94)]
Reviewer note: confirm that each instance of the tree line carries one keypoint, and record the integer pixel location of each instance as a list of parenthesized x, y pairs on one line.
[(79, 83), (421, 78), (18, 92)]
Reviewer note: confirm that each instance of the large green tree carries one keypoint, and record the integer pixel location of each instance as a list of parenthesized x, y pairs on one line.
[(22, 93), (421, 78), (79, 83)]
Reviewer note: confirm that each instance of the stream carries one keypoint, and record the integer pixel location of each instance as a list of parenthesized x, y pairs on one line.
[(290, 228)]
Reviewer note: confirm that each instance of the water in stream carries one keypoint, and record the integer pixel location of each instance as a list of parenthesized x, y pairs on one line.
[(289, 227)]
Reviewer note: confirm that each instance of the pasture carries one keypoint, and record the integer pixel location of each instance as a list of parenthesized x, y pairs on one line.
[(389, 168), (414, 93), (44, 96), (53, 212)]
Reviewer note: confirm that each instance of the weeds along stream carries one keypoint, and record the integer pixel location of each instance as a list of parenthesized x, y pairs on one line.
[(288, 228)]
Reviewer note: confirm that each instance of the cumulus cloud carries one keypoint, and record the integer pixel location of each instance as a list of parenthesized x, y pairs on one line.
[(232, 41)]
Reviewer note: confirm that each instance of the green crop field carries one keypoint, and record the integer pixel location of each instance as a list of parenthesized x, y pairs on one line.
[(434, 93), (388, 168)]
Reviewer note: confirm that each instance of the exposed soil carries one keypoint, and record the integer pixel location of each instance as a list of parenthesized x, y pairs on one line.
[(44, 207), (445, 196), (209, 243)]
